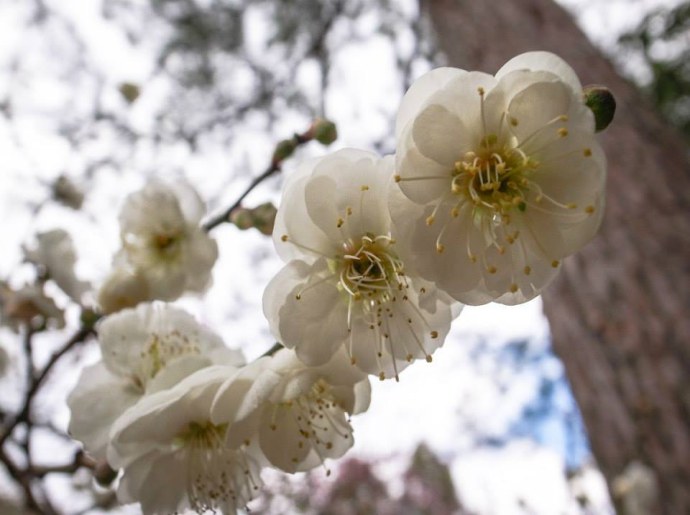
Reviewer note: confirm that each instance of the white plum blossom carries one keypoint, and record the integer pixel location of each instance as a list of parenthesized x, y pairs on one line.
[(124, 287), (345, 284), (501, 177), (56, 254), (163, 241), (299, 414), (175, 458), (144, 350)]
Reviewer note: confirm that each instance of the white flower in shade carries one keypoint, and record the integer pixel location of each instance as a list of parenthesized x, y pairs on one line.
[(144, 350), (163, 241), (55, 253), (503, 177), (298, 414), (175, 458), (346, 284)]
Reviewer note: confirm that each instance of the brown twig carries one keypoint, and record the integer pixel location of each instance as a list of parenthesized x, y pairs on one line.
[(276, 162), (24, 413)]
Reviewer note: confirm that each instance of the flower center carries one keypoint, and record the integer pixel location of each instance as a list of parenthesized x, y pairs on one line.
[(203, 435), (369, 269), (167, 245), (494, 178)]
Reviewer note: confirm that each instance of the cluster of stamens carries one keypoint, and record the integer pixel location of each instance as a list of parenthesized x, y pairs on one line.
[(369, 269), (220, 477), (318, 418)]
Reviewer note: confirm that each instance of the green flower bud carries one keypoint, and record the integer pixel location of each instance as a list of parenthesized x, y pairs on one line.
[(324, 131), (264, 217), (602, 103), (284, 149), (242, 218)]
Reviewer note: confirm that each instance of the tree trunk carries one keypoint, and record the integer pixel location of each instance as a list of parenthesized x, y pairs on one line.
[(620, 309)]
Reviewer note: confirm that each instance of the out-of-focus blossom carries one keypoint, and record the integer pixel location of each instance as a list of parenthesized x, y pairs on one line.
[(163, 242), (123, 288), (29, 306), (55, 253), (502, 177)]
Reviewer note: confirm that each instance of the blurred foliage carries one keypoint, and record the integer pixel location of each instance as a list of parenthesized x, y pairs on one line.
[(663, 39), (232, 60)]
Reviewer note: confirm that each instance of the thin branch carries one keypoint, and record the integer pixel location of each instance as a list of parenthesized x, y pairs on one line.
[(23, 416), (276, 162), (80, 460), (22, 477)]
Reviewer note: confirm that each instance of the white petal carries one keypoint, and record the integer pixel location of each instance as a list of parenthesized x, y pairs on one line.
[(97, 400), (431, 180), (535, 108), (440, 135), (546, 61), (420, 91), (316, 323)]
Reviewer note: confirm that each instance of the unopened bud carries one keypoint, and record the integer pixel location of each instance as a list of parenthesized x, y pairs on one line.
[(242, 218), (129, 91), (264, 217), (325, 131), (67, 193), (261, 218), (284, 149), (602, 103)]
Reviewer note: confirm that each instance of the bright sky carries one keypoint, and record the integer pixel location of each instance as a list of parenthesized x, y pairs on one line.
[(432, 403)]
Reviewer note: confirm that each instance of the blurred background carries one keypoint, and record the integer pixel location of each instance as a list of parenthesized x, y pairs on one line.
[(97, 96)]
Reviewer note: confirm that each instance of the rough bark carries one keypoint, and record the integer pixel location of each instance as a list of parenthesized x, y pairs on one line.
[(619, 310)]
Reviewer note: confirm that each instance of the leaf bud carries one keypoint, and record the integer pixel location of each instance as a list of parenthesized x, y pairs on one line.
[(324, 131)]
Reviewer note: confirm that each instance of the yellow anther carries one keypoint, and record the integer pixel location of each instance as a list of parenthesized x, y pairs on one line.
[(571, 205), (589, 209), (430, 219), (513, 288), (562, 132), (513, 121), (340, 222), (563, 118), (397, 178), (364, 187), (455, 212), (434, 334), (587, 152), (428, 358), (527, 270), (284, 237), (491, 269), (440, 248), (480, 90), (382, 376), (555, 263)]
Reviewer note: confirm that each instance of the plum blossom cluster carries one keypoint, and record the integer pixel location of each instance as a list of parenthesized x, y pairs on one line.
[(495, 181), (191, 425)]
